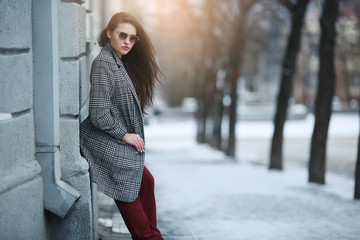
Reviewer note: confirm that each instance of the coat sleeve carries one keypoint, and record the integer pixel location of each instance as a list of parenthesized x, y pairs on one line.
[(102, 87)]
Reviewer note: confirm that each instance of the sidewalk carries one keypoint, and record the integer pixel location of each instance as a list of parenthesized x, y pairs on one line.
[(201, 195)]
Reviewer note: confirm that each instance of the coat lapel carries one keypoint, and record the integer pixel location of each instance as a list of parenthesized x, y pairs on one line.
[(126, 75)]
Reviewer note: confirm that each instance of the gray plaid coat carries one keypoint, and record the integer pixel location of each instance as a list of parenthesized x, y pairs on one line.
[(114, 110)]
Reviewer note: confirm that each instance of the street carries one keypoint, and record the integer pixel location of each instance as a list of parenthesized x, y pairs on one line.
[(201, 194)]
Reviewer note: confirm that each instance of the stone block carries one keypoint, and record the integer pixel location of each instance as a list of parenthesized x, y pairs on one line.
[(72, 29), (84, 82), (16, 142), (71, 161), (79, 224), (16, 91), (15, 27), (22, 212), (69, 87)]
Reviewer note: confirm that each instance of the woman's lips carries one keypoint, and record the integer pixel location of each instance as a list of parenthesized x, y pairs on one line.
[(125, 48)]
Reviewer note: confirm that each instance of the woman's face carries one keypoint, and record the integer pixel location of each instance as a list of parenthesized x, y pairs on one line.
[(123, 38)]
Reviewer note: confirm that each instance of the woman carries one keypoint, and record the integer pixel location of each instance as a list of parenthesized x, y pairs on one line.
[(112, 140)]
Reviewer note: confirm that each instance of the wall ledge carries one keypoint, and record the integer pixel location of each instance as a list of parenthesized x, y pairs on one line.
[(80, 2), (14, 51)]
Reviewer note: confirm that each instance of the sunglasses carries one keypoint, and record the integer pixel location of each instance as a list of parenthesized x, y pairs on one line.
[(132, 38)]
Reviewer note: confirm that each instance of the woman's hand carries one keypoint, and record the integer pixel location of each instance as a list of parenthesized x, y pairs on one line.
[(135, 140)]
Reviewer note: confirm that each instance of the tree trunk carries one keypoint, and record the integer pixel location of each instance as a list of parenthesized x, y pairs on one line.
[(204, 109), (357, 170), (206, 71), (210, 99), (357, 173), (218, 113), (325, 91), (200, 114), (286, 83), (201, 120), (236, 53), (230, 151), (346, 79)]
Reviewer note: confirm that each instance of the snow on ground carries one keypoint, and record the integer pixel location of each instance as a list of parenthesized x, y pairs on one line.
[(341, 125), (203, 195)]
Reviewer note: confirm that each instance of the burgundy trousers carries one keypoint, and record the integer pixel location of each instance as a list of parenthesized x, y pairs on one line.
[(140, 215)]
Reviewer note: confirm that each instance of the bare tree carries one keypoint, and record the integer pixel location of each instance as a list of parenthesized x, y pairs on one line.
[(357, 168), (357, 173), (236, 55), (297, 11), (218, 110), (325, 91), (206, 68), (210, 96)]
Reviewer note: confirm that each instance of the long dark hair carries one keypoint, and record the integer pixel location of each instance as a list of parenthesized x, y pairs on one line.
[(140, 62)]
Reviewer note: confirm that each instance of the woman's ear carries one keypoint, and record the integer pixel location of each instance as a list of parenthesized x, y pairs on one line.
[(108, 34)]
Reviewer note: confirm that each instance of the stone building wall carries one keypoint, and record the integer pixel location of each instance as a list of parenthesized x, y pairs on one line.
[(45, 60), (21, 194)]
